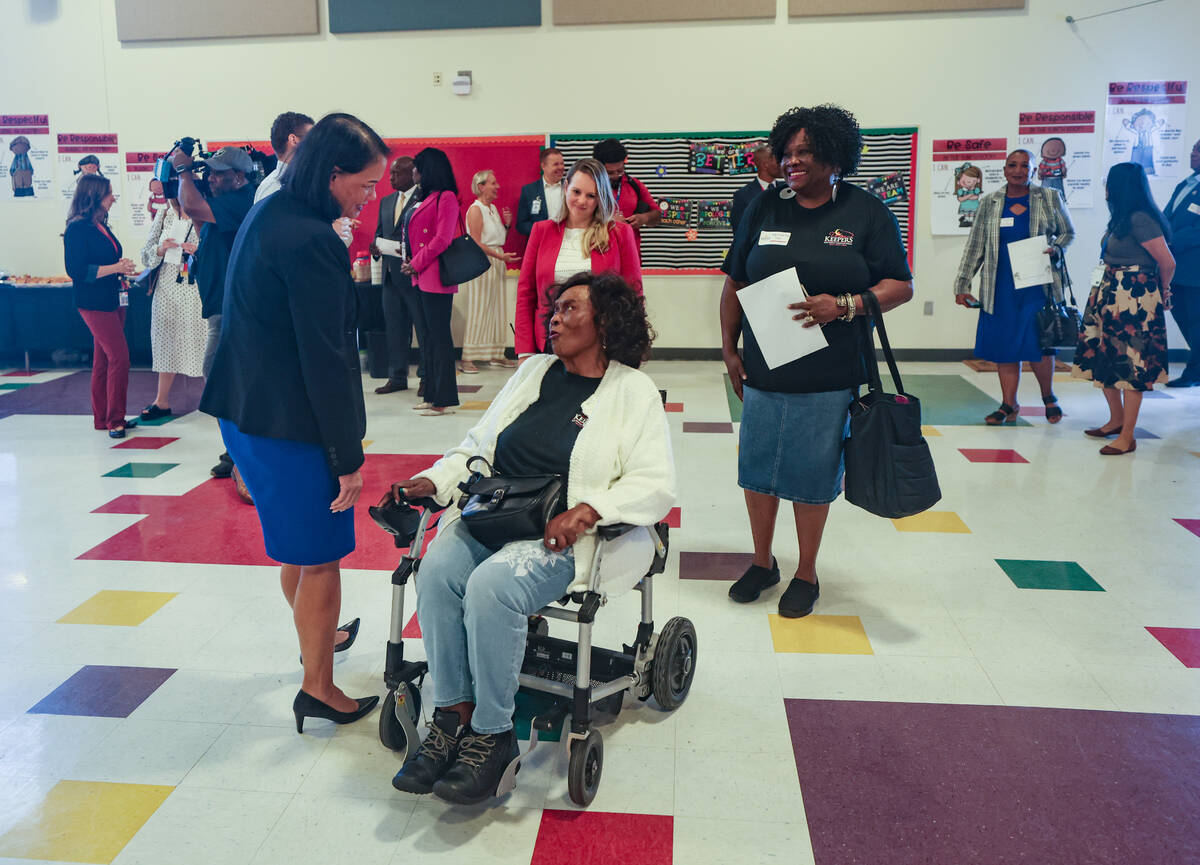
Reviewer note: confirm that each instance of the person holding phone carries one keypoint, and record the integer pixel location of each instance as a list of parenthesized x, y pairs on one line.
[(96, 265), (1007, 333)]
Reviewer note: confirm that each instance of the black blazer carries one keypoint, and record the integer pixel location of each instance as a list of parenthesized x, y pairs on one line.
[(741, 200), (390, 229), (1185, 237), (526, 216), (85, 249), (287, 363)]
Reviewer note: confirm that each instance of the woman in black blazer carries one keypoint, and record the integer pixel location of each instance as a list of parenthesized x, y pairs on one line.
[(287, 388), (95, 265)]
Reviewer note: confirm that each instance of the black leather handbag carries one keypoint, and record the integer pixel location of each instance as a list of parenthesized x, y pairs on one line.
[(498, 509), (1059, 324), (463, 260), (889, 469)]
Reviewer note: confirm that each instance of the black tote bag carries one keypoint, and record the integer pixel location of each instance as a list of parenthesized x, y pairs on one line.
[(889, 470), (463, 260)]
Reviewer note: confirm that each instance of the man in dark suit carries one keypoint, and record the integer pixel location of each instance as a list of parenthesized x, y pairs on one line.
[(401, 303), (1183, 212), (768, 173), (542, 199)]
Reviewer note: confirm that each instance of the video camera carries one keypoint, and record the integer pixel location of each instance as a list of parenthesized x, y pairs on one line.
[(165, 172)]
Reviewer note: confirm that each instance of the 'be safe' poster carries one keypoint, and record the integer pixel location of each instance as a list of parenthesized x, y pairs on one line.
[(1143, 123), (1063, 144), (964, 170), (26, 164)]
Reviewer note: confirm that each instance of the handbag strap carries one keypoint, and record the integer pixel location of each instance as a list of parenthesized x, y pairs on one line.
[(875, 314), (460, 227)]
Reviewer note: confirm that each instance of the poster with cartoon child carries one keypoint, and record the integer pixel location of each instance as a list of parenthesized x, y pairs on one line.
[(26, 168), (95, 153), (1063, 144), (1143, 123), (964, 170)]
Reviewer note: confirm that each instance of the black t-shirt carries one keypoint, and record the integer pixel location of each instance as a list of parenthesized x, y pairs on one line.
[(216, 242), (846, 245), (542, 437)]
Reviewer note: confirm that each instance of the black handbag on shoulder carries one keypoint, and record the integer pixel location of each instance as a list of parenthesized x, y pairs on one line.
[(463, 260), (889, 470), (498, 509), (1059, 324)]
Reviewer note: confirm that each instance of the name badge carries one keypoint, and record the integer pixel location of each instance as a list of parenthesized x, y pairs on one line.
[(1006, 222), (1097, 275), (1194, 208), (536, 207), (774, 238), (123, 297)]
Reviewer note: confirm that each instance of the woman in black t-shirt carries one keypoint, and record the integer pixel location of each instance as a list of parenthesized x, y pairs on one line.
[(842, 241)]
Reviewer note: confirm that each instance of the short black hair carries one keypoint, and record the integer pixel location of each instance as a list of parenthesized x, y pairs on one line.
[(625, 331), (1128, 191), (609, 151), (437, 175), (833, 135), (286, 124), (338, 141)]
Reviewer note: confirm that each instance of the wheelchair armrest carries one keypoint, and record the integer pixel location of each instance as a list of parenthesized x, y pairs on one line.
[(611, 533), (427, 504)]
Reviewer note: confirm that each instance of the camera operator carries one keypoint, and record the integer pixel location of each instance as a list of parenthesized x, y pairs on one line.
[(220, 214)]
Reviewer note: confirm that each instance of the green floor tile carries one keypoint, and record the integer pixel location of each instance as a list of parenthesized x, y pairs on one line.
[(140, 470), (948, 400), (14, 385), (529, 705), (735, 404), (1030, 574), (159, 421)]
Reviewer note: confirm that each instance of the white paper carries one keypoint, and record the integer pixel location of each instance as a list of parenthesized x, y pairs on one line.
[(179, 233), (388, 247), (1030, 264), (780, 338)]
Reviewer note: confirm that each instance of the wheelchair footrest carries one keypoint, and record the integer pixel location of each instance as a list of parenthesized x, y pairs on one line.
[(553, 718), (408, 671)]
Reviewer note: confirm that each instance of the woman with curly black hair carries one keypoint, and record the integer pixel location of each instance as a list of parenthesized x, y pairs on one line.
[(842, 242), (587, 413)]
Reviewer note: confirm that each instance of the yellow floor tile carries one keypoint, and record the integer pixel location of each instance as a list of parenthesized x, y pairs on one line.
[(933, 521), (83, 821), (111, 607), (367, 443), (476, 405), (929, 431), (820, 635)]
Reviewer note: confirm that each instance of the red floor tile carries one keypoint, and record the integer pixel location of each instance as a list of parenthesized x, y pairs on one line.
[(1192, 526), (145, 443), (412, 631), (992, 455), (674, 406), (590, 837), (23, 373), (1183, 643), (675, 517)]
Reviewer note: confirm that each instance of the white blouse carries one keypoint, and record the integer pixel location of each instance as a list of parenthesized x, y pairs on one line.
[(571, 258), (494, 233)]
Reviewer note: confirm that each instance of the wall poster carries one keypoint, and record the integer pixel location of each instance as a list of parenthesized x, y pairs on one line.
[(1144, 123), (964, 170), (26, 166), (1063, 144), (95, 153)]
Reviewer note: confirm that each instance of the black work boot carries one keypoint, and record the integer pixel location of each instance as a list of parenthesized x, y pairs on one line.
[(435, 756), (482, 759)]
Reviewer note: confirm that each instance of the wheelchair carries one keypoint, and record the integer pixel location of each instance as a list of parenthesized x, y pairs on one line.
[(581, 680)]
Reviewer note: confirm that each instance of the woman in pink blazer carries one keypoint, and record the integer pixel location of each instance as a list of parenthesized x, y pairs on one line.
[(584, 238), (429, 227)]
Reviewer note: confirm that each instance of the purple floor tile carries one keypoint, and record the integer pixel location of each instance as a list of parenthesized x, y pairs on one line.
[(713, 566), (1140, 433), (71, 394), (691, 426), (104, 692), (1156, 394), (470, 388), (1192, 526), (916, 783)]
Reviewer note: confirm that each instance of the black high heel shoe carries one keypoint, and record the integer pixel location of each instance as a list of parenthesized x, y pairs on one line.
[(350, 628), (307, 706)]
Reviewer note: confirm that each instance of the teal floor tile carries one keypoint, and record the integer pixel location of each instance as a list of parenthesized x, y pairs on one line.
[(140, 470), (948, 400), (158, 421), (14, 385), (530, 705), (1031, 574)]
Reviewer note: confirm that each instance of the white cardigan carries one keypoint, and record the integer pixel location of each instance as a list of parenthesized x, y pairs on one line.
[(621, 464)]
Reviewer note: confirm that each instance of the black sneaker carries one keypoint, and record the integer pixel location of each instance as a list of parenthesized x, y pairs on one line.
[(798, 599), (752, 583), (482, 759), (223, 468), (435, 756)]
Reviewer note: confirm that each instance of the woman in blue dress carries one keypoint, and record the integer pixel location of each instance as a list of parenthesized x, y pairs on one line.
[(1007, 333)]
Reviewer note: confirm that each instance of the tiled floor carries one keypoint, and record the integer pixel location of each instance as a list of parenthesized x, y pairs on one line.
[(1013, 676)]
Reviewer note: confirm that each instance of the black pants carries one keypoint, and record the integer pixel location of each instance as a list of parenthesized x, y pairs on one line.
[(401, 314), (1185, 307), (441, 387)]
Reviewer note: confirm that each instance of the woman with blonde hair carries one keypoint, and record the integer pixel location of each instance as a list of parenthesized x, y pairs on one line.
[(584, 238), (485, 337)]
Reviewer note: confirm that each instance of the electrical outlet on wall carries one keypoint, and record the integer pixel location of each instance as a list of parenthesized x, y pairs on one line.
[(437, 79), (929, 307)]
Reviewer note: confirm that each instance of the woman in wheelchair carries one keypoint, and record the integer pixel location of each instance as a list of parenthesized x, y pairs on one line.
[(588, 414)]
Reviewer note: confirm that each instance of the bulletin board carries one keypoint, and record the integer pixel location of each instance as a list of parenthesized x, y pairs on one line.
[(693, 176)]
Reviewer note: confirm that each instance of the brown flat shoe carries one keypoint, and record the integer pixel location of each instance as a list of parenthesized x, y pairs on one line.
[(1110, 451), (1100, 432), (391, 387)]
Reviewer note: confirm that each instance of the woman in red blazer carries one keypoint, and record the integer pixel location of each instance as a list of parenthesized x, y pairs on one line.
[(429, 227), (583, 239)]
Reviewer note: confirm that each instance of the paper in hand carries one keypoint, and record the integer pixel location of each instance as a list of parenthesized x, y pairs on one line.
[(1030, 264), (388, 247), (179, 233), (780, 338)]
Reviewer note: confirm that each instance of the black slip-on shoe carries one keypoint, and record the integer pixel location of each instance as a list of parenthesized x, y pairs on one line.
[(798, 598), (751, 584)]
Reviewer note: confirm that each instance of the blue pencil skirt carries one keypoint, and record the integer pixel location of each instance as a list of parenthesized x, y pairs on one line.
[(292, 489)]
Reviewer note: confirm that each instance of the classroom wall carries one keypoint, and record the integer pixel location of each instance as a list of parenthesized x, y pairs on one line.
[(951, 74)]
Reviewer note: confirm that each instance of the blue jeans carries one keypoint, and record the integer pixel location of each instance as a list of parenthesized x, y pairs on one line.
[(473, 606)]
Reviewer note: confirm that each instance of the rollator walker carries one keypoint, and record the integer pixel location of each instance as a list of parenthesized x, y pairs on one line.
[(582, 680)]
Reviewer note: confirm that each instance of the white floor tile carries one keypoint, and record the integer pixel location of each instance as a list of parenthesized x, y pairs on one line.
[(264, 759), (708, 839), (457, 835), (315, 830), (148, 752)]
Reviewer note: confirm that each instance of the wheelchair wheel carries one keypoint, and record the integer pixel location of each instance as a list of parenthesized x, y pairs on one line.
[(398, 719), (674, 663), (586, 764)]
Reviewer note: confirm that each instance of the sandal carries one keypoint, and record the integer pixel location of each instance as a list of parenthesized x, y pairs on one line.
[(469, 368), (1005, 414), (1053, 413)]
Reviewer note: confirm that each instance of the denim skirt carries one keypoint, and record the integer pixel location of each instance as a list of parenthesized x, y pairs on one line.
[(791, 444)]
